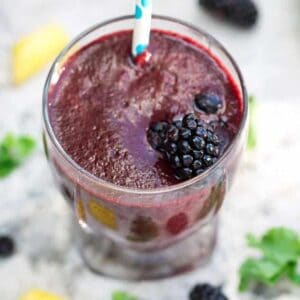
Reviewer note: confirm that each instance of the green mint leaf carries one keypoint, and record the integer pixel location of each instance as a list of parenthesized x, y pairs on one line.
[(13, 151), (252, 141), (252, 241), (293, 273), (119, 295), (25, 145), (279, 244), (280, 252), (262, 270), (6, 167)]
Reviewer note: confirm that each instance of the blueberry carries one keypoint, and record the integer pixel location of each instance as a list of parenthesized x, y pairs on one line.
[(208, 103)]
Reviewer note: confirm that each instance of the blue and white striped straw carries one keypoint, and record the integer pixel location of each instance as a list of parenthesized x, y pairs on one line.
[(142, 27)]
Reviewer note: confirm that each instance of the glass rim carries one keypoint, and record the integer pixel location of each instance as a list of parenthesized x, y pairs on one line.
[(152, 191)]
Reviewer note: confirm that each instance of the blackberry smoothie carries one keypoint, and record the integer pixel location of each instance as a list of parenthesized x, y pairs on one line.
[(109, 116), (103, 105)]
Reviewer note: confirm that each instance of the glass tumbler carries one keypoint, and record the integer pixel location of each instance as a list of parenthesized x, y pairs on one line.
[(136, 233)]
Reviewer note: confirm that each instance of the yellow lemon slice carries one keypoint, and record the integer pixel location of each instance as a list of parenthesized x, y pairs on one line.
[(39, 295), (32, 52)]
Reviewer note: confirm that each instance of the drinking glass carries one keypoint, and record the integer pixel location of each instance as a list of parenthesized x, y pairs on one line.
[(144, 233)]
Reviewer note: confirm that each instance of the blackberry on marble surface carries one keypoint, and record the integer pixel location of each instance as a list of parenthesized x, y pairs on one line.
[(206, 291), (240, 12), (7, 246)]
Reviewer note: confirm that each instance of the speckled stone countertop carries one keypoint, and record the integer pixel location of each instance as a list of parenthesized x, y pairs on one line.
[(267, 188)]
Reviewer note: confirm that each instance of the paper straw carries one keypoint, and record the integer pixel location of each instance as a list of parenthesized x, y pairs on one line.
[(142, 27)]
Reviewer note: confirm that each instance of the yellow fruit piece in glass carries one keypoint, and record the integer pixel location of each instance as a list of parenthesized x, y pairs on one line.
[(34, 51), (80, 210), (40, 295), (102, 214)]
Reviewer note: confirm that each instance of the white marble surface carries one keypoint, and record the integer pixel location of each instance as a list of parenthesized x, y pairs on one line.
[(267, 189)]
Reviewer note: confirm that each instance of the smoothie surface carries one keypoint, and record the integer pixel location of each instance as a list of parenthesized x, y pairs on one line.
[(103, 104)]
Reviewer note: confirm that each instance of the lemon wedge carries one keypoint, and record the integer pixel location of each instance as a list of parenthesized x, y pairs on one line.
[(34, 51), (39, 295)]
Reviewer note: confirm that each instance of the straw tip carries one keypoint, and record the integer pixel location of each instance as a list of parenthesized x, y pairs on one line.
[(142, 58)]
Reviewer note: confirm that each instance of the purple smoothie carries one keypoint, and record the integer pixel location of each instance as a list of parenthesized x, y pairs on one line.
[(98, 110), (103, 104)]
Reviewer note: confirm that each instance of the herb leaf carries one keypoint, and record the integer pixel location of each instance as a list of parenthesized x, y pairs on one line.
[(293, 274), (252, 140), (13, 151), (119, 295), (262, 270), (280, 249), (279, 244)]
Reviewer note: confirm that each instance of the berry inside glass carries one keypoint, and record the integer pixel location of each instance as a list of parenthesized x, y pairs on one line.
[(145, 152)]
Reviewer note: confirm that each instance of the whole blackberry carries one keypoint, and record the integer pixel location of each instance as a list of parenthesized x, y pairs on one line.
[(189, 145), (7, 246), (206, 292), (208, 103), (241, 12)]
